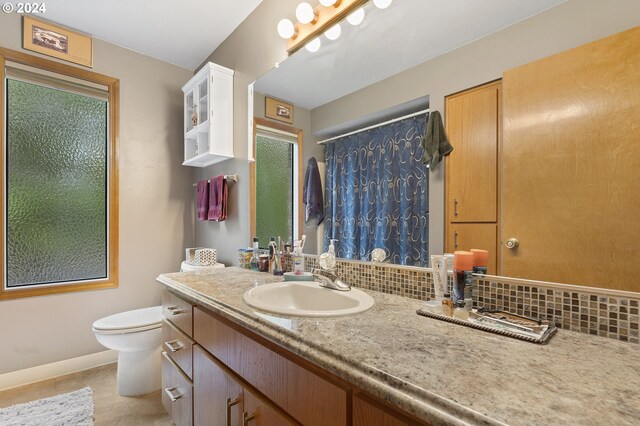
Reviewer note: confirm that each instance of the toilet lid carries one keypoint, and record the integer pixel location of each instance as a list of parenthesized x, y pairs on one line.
[(140, 318)]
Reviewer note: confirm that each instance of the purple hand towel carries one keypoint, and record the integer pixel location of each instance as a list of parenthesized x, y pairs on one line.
[(218, 199), (202, 199)]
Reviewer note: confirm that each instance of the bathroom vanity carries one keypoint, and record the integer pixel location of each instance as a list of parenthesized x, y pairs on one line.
[(225, 363)]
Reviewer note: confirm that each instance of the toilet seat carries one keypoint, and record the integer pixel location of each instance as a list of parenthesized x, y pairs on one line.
[(130, 321)]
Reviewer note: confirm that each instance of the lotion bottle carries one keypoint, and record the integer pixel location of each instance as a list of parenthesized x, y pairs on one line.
[(297, 258)]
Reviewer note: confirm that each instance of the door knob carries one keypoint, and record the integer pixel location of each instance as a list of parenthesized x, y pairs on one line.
[(512, 243)]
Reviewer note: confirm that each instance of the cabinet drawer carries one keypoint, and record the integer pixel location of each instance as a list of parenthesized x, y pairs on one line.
[(177, 393), (178, 347), (307, 397), (178, 311)]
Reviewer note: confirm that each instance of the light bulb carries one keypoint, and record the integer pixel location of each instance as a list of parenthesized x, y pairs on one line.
[(305, 13), (356, 17), (327, 3), (382, 4), (286, 29), (314, 45), (334, 32)]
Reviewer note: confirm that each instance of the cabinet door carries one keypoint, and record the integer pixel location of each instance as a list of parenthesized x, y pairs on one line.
[(467, 236), (217, 397), (203, 100), (472, 125), (190, 109), (257, 412), (570, 164)]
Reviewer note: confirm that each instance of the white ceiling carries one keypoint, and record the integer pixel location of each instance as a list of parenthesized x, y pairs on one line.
[(182, 32), (389, 41)]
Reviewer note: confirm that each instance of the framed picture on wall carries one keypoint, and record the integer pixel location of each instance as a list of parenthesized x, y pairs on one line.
[(278, 110), (56, 41)]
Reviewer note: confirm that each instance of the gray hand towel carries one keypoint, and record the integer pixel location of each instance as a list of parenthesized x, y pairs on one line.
[(312, 194), (435, 142)]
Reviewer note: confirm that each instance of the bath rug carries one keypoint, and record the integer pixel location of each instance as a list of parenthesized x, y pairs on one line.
[(67, 409)]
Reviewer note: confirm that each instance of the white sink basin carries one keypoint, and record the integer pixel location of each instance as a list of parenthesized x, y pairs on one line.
[(307, 299)]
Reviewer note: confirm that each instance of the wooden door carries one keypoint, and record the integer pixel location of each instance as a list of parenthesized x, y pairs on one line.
[(472, 124), (467, 236), (571, 158), (217, 397)]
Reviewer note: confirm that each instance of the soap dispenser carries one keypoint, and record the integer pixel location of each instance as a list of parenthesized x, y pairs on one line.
[(327, 260)]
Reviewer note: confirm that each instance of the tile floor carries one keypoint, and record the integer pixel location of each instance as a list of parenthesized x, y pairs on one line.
[(110, 408)]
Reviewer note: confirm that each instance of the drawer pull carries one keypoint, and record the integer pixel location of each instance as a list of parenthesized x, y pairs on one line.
[(455, 239), (174, 345), (174, 396), (455, 207), (230, 403), (175, 310), (246, 418)]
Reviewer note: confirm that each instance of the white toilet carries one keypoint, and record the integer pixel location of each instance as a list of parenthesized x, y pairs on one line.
[(137, 336)]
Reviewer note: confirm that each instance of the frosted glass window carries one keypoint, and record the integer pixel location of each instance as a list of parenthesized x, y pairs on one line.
[(274, 189), (56, 186)]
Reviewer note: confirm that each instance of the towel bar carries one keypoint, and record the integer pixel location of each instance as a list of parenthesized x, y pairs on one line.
[(233, 178)]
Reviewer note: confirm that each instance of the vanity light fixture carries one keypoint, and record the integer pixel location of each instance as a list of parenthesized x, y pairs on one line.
[(321, 19), (334, 32), (356, 17), (305, 13), (382, 4), (329, 3), (314, 45), (286, 29)]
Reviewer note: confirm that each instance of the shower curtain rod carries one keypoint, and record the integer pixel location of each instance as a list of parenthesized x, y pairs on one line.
[(424, 111)]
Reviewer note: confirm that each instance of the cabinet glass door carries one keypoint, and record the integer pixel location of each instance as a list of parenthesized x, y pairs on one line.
[(203, 102), (191, 115)]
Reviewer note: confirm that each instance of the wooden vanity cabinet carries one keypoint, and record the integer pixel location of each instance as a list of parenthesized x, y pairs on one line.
[(307, 396), (177, 346), (221, 399), (240, 378)]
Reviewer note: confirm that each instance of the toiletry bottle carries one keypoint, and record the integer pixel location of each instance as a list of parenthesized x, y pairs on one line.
[(462, 273), (439, 267), (272, 252), (461, 312), (327, 260), (254, 257), (298, 259), (480, 261), (447, 305), (277, 258)]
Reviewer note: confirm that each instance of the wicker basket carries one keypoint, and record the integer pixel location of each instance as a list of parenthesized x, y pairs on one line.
[(200, 256)]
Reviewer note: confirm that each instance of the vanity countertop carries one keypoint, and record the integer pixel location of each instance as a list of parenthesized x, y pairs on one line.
[(442, 372)]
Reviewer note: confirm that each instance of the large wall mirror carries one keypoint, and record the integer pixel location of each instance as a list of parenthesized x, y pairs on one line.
[(563, 152)]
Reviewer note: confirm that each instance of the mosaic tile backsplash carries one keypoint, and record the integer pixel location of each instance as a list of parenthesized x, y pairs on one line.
[(582, 311)]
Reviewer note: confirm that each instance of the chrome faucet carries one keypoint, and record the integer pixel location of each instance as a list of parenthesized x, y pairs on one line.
[(330, 280)]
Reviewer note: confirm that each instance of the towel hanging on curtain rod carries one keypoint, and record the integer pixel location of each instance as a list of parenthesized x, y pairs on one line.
[(424, 111)]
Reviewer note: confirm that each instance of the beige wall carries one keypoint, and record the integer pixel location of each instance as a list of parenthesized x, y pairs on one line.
[(568, 25), (251, 50), (310, 148), (154, 213)]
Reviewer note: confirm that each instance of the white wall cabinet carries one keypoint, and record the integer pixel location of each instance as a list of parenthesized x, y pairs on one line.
[(208, 116)]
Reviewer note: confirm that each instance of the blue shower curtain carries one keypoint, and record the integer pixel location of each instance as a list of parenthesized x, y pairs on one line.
[(377, 193)]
